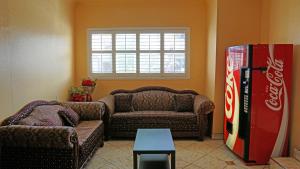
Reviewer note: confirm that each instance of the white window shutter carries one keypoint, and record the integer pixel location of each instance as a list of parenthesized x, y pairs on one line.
[(149, 41), (150, 63)]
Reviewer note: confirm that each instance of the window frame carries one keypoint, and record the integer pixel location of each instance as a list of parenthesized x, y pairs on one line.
[(138, 31)]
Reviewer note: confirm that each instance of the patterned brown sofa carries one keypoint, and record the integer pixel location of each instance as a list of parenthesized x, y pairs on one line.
[(29, 143), (184, 112)]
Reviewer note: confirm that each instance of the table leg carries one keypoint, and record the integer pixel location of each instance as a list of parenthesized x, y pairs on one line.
[(173, 161), (134, 160)]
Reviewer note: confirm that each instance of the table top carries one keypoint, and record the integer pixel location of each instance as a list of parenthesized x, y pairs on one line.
[(154, 141)]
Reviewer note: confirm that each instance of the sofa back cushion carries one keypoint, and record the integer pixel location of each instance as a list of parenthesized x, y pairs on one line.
[(184, 102), (46, 115), (153, 100), (123, 102)]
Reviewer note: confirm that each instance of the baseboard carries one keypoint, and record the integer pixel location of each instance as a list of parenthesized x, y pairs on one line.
[(217, 136)]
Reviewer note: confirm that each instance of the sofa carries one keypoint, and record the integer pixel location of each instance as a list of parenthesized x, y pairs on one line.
[(185, 112), (38, 137)]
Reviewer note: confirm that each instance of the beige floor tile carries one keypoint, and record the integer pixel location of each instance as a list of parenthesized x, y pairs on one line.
[(223, 153), (210, 162), (192, 166), (180, 164), (190, 154)]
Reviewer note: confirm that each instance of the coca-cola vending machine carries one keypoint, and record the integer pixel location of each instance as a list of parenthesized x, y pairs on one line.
[(257, 101)]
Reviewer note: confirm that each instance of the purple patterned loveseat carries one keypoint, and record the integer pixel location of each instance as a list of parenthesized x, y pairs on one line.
[(38, 137), (185, 112)]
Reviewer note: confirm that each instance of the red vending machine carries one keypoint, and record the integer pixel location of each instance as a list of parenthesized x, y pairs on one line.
[(257, 101)]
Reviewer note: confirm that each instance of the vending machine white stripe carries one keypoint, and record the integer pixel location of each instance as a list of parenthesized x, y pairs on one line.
[(280, 141), (230, 142)]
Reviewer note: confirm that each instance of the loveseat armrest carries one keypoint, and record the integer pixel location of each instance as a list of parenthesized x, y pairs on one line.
[(87, 110), (57, 137), (109, 102), (203, 105)]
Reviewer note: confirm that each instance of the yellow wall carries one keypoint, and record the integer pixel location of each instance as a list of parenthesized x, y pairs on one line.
[(36, 51), (281, 24), (137, 13), (238, 22)]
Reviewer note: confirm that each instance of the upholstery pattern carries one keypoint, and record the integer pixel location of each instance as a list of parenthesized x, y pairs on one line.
[(69, 116), (34, 158), (87, 110), (184, 102), (123, 102), (109, 109), (25, 111), (153, 100), (154, 107), (176, 121), (50, 147), (38, 136), (202, 107), (46, 115), (90, 133)]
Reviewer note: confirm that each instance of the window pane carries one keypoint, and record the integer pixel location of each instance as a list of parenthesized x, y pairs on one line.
[(126, 63), (101, 42), (174, 41), (149, 41), (126, 41), (174, 62), (101, 63), (150, 62)]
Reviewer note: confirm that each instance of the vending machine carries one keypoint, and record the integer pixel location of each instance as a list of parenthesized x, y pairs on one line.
[(257, 101)]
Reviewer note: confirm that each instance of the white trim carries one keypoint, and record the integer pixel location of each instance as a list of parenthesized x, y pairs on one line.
[(138, 31)]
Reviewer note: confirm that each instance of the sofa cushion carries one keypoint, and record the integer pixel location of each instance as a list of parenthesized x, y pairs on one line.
[(131, 121), (123, 102), (184, 102), (45, 115), (70, 117), (153, 100)]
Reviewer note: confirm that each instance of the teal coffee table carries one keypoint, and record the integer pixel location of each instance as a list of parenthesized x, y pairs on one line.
[(153, 141)]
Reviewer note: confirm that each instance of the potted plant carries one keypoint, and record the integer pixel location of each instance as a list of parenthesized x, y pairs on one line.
[(77, 94), (88, 86)]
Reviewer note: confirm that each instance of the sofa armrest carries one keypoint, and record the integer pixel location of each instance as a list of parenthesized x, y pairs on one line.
[(57, 137), (87, 110), (203, 105)]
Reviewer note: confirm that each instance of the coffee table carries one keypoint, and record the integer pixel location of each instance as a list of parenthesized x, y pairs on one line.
[(153, 141)]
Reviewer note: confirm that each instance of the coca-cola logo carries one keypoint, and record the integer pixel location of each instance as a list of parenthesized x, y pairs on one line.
[(229, 92), (274, 75)]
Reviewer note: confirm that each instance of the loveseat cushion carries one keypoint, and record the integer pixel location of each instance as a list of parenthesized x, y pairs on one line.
[(131, 121), (184, 102), (123, 102), (153, 100), (45, 115)]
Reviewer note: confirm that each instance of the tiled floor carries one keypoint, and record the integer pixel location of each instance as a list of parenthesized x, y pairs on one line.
[(190, 154)]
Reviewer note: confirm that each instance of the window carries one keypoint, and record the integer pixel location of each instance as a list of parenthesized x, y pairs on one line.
[(139, 53)]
